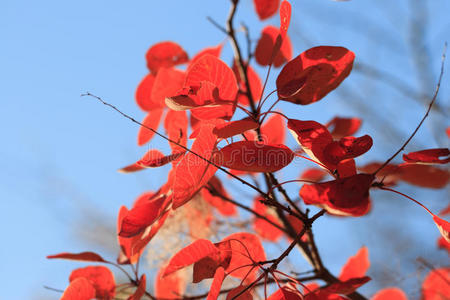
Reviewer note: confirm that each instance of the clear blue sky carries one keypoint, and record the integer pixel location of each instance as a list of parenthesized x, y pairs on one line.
[(60, 152)]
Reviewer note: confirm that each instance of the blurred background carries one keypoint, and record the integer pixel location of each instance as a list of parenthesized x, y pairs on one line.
[(59, 185)]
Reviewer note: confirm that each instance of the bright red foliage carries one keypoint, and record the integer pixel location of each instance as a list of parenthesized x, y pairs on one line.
[(313, 74), (100, 277), (165, 54), (266, 8)]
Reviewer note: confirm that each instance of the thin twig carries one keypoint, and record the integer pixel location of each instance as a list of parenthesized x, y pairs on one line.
[(424, 117)]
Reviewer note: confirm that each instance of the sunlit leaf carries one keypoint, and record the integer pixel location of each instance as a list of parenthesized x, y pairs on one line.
[(101, 278), (313, 74), (165, 54)]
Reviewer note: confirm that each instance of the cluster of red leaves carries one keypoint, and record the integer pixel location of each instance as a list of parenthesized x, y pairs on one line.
[(210, 91)]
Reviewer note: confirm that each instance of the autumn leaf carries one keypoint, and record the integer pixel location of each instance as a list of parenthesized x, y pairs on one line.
[(436, 283), (254, 156), (267, 44), (101, 278), (356, 266), (344, 197), (266, 8), (79, 289), (189, 255), (392, 293), (83, 256), (313, 74), (165, 54), (246, 248), (429, 156)]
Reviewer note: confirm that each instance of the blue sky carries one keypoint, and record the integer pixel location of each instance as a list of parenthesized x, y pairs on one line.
[(60, 152)]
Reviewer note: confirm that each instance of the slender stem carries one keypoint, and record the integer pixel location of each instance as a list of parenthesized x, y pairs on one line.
[(178, 144), (424, 117), (406, 196)]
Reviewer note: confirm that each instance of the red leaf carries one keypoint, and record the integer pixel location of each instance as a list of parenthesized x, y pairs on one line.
[(148, 160), (224, 207), (209, 68), (390, 294), (274, 130), (176, 126), (214, 51), (347, 147), (424, 175), (254, 82), (266, 8), (429, 156), (245, 248), (443, 226), (346, 287), (267, 44), (216, 285), (356, 266), (342, 127), (140, 291), (285, 17), (153, 161), (312, 136), (313, 174), (346, 168), (132, 248), (435, 285), (79, 289), (254, 156), (152, 121), (313, 74), (83, 256), (390, 173), (101, 279), (237, 290), (345, 197), (286, 292), (443, 244), (143, 215), (229, 129), (165, 54), (144, 94), (207, 266), (167, 83), (169, 287), (189, 255), (192, 173)]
